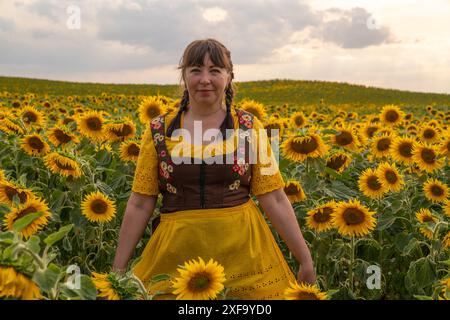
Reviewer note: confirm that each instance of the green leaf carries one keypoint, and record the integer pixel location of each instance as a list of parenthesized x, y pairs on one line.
[(24, 222), (58, 235), (46, 279), (86, 291), (160, 277), (384, 222), (33, 244)]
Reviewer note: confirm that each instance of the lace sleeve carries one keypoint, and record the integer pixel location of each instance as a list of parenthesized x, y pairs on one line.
[(266, 176), (146, 174)]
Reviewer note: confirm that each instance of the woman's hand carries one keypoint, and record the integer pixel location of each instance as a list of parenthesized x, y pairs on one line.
[(306, 274)]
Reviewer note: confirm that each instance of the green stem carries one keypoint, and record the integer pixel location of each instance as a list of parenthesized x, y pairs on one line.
[(352, 260)]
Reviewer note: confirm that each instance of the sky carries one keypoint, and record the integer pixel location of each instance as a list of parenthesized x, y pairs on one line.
[(401, 44)]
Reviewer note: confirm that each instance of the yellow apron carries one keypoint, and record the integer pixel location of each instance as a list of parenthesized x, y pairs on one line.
[(238, 238)]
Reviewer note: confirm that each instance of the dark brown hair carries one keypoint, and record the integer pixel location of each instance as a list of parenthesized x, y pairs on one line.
[(194, 55)]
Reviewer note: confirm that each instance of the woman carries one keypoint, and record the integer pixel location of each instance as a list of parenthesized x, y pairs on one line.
[(206, 208)]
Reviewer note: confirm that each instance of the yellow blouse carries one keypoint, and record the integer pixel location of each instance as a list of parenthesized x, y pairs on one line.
[(265, 175)]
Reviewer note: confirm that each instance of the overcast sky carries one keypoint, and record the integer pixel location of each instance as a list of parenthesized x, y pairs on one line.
[(403, 44)]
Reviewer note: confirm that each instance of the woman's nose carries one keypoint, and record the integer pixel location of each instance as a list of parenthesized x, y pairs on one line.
[(205, 77)]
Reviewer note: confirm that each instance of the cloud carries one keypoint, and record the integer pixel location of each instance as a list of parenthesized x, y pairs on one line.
[(354, 28)]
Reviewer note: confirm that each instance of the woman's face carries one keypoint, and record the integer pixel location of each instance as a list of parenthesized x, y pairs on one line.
[(206, 84)]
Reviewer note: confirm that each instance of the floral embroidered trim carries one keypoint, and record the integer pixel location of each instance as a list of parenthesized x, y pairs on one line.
[(165, 161)]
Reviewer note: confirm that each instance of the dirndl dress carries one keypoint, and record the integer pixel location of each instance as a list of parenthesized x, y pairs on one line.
[(236, 236)]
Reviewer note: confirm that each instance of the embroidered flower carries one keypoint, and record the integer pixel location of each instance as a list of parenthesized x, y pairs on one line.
[(163, 153), (166, 175), (170, 168), (164, 165), (236, 168), (241, 161), (241, 171), (171, 188), (156, 125), (235, 185)]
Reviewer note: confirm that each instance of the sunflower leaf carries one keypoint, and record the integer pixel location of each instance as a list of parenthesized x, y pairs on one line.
[(58, 235), (25, 221), (160, 277)]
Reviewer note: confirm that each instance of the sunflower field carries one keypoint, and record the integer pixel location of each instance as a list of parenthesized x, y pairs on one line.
[(369, 183)]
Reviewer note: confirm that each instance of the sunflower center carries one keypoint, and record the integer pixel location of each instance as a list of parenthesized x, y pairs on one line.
[(383, 144), (36, 143), (371, 131), (63, 166), (133, 150), (67, 120), (30, 116), (428, 156), (304, 146), (392, 116), (24, 212), (429, 134), (94, 124), (391, 176), (299, 120), (62, 136), (353, 216), (323, 215), (373, 183), (448, 146), (11, 192), (16, 104), (199, 282), (344, 138), (427, 219), (291, 189), (122, 132), (99, 206), (152, 111), (405, 149), (437, 190), (254, 112), (336, 162)]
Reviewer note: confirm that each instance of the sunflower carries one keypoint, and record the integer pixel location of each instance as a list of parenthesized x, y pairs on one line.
[(346, 138), (339, 161), (353, 219), (391, 115), (299, 148), (120, 131), (97, 207), (16, 285), (129, 151), (67, 120), (108, 287), (91, 125), (255, 108), (63, 164), (2, 175), (444, 147), (369, 130), (401, 150), (435, 190), (381, 145), (424, 215), (61, 136), (32, 117), (429, 134), (446, 240), (389, 177), (10, 189), (370, 185), (303, 291), (426, 157), (298, 120), (274, 124), (151, 107), (426, 232), (447, 207), (199, 280), (10, 127), (294, 191), (35, 145), (33, 204), (320, 218)]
